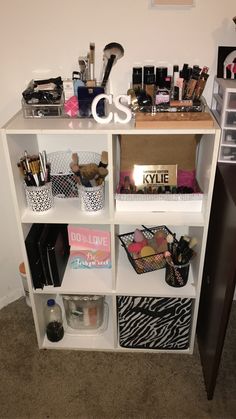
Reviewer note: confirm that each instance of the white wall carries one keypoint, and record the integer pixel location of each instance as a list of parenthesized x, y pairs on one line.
[(44, 38)]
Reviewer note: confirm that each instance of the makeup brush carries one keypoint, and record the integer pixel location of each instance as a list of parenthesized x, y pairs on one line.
[(104, 159), (112, 53), (170, 241), (92, 60), (188, 252), (192, 242), (74, 165), (91, 82), (83, 66)]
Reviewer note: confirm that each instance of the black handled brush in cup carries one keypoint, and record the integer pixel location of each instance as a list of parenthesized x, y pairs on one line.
[(112, 53)]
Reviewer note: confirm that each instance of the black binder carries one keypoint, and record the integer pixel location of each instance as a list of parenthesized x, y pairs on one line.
[(48, 250), (58, 250), (35, 262), (42, 246)]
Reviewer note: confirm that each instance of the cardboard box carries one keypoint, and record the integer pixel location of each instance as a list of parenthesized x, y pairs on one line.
[(159, 149)]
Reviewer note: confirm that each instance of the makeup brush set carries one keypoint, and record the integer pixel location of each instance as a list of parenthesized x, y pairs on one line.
[(85, 83)]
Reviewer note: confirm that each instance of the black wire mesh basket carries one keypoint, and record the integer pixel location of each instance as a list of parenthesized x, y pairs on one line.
[(148, 263)]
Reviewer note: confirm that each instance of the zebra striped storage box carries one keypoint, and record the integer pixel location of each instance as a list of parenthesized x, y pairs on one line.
[(154, 323)]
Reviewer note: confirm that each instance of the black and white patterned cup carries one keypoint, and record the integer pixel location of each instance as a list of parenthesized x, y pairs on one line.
[(39, 198), (177, 275), (92, 198)]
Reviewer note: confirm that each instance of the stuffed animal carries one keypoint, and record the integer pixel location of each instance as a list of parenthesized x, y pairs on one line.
[(89, 174)]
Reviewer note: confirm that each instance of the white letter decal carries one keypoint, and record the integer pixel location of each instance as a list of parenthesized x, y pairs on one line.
[(97, 118), (123, 108)]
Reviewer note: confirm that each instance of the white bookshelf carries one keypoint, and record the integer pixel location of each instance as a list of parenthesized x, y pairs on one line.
[(35, 135)]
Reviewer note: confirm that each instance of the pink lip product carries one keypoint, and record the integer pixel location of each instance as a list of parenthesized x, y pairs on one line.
[(205, 70)]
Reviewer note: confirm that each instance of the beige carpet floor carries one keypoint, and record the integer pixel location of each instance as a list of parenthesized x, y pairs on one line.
[(74, 384)]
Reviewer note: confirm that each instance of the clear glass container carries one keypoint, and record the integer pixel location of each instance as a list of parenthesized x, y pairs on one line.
[(84, 312)]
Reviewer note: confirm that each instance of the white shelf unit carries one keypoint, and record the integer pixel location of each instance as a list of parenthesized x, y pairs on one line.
[(121, 280), (224, 110)]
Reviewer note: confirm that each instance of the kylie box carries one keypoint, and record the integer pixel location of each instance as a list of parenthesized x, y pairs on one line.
[(90, 248)]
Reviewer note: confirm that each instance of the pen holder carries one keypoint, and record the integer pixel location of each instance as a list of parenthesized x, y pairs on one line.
[(177, 275), (85, 99), (39, 198), (92, 198)]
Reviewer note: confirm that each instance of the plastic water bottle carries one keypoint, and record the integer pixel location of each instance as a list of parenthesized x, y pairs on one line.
[(54, 326)]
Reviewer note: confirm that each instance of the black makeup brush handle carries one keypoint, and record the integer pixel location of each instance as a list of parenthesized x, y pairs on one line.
[(108, 69)]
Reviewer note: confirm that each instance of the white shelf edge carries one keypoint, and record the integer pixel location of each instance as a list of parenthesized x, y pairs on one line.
[(82, 281), (94, 341), (59, 126), (139, 284), (70, 207), (160, 218)]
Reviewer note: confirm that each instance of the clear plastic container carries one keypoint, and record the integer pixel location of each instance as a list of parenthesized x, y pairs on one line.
[(84, 312), (54, 325)]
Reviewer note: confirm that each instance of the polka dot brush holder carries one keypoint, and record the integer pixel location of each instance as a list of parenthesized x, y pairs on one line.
[(92, 198), (39, 198)]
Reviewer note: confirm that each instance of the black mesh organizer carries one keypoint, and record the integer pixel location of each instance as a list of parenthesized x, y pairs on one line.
[(148, 263)]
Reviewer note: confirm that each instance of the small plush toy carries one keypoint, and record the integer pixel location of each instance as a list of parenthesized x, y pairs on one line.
[(89, 174)]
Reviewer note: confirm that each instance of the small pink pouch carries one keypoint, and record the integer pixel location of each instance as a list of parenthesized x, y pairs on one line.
[(71, 107)]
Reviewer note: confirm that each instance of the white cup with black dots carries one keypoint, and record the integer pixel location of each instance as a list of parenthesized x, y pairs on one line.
[(39, 198)]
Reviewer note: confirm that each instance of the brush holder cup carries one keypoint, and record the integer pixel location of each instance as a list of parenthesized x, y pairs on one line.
[(85, 99), (92, 199), (177, 275), (39, 198)]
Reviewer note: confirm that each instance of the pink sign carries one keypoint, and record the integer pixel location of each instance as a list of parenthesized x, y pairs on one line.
[(86, 238)]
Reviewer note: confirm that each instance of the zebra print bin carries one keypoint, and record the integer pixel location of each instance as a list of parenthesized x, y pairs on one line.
[(154, 323)]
